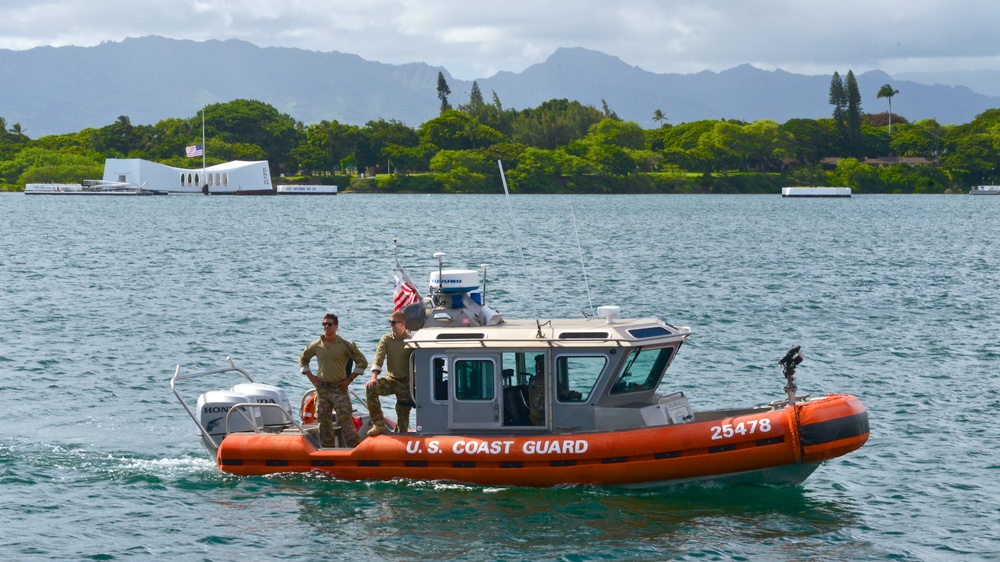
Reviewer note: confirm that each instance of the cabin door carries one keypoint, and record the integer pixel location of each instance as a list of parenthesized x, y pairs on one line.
[(475, 392)]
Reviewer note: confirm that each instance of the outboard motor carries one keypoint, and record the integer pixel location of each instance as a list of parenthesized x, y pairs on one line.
[(273, 419), (214, 406)]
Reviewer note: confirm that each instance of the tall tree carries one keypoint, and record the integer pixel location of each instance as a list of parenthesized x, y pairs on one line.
[(854, 116), (476, 103), (886, 91), (496, 117), (838, 99), (443, 92), (608, 112), (658, 116)]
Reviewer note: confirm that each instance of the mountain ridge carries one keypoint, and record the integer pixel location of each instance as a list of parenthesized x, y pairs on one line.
[(52, 90)]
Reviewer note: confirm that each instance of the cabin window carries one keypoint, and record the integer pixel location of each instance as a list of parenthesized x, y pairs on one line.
[(642, 371), (584, 335), (439, 371), (653, 332), (461, 336), (474, 379), (576, 376), (519, 367)]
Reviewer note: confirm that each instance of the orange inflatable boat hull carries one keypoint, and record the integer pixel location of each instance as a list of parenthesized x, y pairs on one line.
[(780, 446)]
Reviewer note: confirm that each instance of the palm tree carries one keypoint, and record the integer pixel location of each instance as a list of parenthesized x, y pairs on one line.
[(658, 116), (886, 91), (124, 127)]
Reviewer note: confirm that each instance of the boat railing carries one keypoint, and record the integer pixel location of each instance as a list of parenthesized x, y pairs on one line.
[(242, 407), (178, 376)]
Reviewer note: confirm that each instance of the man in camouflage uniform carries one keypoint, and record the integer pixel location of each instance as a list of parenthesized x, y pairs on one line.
[(332, 354), (392, 349)]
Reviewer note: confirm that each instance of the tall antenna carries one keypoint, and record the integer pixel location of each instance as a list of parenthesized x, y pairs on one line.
[(517, 239), (582, 266)]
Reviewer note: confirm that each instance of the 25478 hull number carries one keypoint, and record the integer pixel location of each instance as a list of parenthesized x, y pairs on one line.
[(728, 430)]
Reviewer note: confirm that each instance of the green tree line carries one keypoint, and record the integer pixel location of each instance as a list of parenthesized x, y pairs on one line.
[(559, 146)]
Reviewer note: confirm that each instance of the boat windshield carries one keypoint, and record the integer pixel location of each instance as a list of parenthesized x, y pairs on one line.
[(642, 370)]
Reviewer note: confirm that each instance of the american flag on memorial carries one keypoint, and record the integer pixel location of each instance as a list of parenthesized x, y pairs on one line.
[(194, 150), (403, 294)]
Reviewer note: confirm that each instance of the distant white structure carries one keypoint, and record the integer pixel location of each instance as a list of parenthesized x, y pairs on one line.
[(231, 178), (307, 189), (88, 187), (985, 190), (815, 192)]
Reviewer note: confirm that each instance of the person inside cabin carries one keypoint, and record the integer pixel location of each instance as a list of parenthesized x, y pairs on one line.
[(391, 349), (536, 393), (333, 355)]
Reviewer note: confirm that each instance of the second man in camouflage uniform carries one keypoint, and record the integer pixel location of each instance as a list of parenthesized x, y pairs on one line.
[(392, 349)]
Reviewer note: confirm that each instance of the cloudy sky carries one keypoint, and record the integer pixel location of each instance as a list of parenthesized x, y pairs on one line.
[(474, 39)]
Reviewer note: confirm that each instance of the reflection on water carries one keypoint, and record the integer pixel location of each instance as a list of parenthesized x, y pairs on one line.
[(434, 520)]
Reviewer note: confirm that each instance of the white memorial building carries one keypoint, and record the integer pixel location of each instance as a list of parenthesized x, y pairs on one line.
[(231, 178)]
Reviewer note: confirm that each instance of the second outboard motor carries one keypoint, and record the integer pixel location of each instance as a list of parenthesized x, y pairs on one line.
[(269, 394)]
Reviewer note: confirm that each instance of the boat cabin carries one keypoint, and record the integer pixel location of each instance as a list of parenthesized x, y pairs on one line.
[(566, 376)]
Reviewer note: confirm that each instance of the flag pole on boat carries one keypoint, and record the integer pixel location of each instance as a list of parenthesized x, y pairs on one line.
[(402, 270), (517, 239)]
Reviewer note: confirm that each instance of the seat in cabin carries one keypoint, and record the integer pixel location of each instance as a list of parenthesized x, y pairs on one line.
[(515, 405)]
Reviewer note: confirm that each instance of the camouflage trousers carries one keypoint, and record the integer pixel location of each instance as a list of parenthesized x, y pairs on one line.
[(385, 387), (328, 401)]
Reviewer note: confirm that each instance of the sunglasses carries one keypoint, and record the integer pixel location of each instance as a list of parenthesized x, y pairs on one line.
[(391, 322), (329, 324)]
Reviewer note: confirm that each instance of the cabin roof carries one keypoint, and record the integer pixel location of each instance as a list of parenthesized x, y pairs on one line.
[(584, 332)]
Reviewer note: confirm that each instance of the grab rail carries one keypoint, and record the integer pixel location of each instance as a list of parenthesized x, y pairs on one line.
[(240, 407), (178, 376)]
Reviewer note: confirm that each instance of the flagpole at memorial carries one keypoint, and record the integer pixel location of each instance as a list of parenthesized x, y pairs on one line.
[(203, 178), (199, 150)]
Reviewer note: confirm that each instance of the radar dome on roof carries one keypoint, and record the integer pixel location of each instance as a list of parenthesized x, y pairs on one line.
[(454, 281)]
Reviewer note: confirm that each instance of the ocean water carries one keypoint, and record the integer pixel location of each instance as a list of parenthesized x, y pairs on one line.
[(893, 298)]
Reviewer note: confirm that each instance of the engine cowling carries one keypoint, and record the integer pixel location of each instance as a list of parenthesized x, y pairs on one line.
[(214, 406), (269, 394)]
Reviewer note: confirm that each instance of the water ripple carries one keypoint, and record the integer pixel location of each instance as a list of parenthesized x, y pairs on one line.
[(892, 298)]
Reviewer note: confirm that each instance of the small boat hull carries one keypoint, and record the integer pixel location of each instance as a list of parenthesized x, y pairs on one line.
[(766, 446)]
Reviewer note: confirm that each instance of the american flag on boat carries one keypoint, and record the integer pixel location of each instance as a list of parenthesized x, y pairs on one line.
[(194, 150), (403, 294)]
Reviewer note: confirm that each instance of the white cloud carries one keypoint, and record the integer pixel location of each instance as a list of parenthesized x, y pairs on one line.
[(473, 39)]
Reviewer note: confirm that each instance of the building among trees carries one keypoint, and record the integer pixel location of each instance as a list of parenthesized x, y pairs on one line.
[(230, 178)]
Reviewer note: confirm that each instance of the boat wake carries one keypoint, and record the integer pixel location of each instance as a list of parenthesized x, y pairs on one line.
[(28, 462)]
